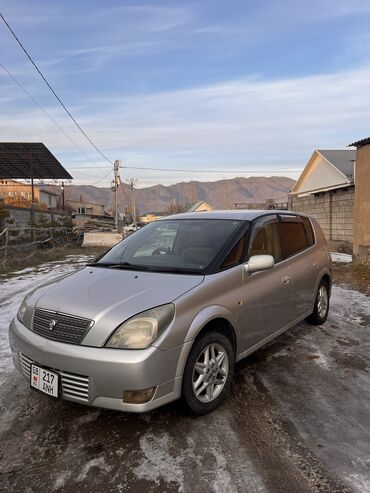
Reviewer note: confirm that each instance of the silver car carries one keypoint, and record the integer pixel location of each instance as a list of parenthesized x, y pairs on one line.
[(168, 311)]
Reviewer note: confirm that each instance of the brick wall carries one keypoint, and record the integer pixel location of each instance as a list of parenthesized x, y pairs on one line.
[(334, 212)]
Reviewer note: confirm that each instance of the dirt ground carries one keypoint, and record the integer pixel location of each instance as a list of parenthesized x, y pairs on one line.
[(297, 419)]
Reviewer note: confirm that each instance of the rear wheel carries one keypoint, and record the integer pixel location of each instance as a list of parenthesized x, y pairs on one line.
[(208, 372), (321, 308)]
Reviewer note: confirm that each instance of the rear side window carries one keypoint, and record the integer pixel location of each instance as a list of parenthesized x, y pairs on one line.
[(265, 239), (296, 234)]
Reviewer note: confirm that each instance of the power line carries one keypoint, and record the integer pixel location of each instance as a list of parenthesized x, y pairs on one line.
[(52, 90), (101, 179), (216, 171), (47, 114), (276, 170)]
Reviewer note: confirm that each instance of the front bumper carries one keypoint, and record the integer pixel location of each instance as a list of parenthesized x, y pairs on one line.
[(99, 376)]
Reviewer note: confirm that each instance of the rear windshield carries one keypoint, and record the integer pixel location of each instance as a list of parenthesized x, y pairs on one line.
[(178, 245)]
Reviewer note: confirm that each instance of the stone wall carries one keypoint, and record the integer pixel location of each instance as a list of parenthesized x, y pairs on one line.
[(334, 212)]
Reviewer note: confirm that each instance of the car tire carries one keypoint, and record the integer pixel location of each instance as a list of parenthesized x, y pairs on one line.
[(208, 372), (321, 307)]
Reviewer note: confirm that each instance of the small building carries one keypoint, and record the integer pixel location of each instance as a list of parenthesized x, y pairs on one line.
[(89, 216), (326, 190), (200, 206), (19, 194), (82, 207), (149, 217)]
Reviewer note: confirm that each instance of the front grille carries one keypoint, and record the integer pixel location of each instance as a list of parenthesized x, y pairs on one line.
[(74, 387), (60, 327)]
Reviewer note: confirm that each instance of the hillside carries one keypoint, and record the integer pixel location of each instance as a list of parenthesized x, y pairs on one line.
[(219, 194)]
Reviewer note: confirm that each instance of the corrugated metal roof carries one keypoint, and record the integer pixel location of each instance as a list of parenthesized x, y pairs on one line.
[(360, 143), (26, 160), (343, 160)]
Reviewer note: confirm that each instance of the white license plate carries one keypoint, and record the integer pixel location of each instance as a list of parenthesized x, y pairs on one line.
[(44, 380)]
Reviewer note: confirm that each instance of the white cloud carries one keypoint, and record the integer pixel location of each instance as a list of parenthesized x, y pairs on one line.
[(236, 124)]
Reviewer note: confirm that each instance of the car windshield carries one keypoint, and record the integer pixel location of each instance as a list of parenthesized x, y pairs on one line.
[(183, 245)]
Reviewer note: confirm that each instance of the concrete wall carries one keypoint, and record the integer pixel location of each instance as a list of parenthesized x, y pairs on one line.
[(361, 240), (21, 217), (334, 212), (101, 239)]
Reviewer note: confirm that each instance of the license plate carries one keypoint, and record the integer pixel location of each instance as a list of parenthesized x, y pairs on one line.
[(44, 380)]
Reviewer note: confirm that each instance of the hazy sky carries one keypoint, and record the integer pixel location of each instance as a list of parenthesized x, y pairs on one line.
[(215, 85)]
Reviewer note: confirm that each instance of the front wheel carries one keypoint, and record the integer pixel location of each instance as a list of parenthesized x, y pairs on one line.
[(208, 372), (321, 307)]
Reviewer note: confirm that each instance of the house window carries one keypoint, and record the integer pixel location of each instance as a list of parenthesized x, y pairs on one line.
[(81, 210)]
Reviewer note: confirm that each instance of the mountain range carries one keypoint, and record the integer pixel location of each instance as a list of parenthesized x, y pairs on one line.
[(222, 194)]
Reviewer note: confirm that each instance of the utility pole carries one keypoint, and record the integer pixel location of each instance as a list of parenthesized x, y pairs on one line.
[(62, 187), (115, 184), (132, 183), (33, 237)]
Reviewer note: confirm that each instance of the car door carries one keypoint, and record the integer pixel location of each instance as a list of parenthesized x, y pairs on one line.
[(299, 248), (267, 293)]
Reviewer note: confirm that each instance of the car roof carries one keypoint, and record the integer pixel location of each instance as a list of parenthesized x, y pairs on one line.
[(243, 215)]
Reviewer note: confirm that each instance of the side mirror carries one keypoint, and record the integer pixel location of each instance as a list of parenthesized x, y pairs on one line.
[(259, 262)]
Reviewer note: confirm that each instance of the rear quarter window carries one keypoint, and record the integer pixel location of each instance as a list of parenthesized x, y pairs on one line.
[(295, 234), (309, 231)]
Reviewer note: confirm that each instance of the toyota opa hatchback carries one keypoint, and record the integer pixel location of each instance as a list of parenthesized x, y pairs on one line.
[(168, 311)]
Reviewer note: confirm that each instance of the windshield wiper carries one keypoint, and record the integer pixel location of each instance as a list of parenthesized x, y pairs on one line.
[(179, 270), (122, 265)]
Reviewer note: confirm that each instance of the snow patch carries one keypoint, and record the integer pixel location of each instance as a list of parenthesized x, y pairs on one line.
[(341, 258), (159, 462), (283, 352), (15, 287), (98, 462), (321, 360), (61, 479), (360, 482), (223, 481)]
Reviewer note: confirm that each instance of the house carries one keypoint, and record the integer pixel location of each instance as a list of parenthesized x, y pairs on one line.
[(82, 207), (361, 213), (19, 194), (200, 206), (326, 190), (89, 216)]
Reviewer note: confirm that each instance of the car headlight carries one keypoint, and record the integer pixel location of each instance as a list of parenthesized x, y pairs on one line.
[(141, 330), (22, 309)]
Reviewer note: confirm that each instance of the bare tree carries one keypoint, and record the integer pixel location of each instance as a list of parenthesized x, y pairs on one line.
[(175, 208)]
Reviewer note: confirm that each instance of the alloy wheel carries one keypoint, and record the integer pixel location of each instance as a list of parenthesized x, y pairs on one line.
[(210, 372), (322, 301)]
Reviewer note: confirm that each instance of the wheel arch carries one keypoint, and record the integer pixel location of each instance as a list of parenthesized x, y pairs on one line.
[(205, 321)]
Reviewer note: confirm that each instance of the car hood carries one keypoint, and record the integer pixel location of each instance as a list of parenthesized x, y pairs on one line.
[(111, 296)]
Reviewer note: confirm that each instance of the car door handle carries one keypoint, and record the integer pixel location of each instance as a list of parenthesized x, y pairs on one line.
[(315, 265), (285, 279)]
